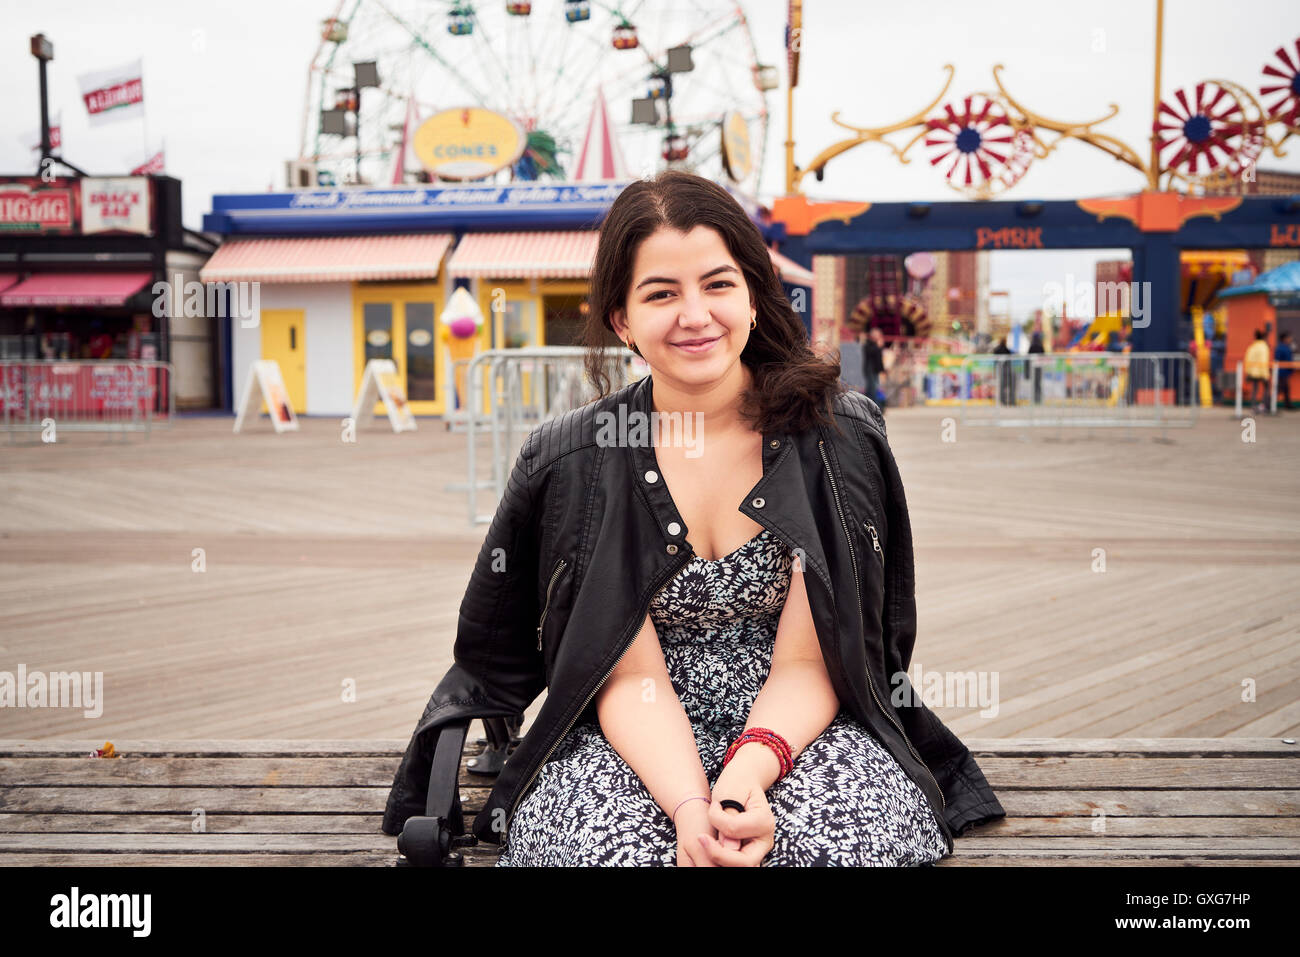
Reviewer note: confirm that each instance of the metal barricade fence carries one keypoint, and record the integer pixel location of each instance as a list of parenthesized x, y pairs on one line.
[(85, 395), (1078, 389), (524, 387)]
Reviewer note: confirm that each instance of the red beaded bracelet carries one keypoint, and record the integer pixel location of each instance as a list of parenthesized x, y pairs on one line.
[(772, 740), (768, 737)]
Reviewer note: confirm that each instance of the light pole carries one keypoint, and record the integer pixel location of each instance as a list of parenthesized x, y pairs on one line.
[(43, 50)]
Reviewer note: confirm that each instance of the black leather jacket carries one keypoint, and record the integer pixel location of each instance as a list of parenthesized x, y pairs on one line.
[(581, 542)]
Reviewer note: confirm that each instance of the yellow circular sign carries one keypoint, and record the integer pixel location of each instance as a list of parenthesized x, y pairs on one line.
[(468, 143), (735, 146), (378, 338)]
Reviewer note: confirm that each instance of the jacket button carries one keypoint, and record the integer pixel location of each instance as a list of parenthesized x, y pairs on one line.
[(672, 549), (757, 503), (674, 528), (652, 476), (775, 443)]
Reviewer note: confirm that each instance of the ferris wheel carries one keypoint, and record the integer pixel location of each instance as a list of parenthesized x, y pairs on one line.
[(672, 73)]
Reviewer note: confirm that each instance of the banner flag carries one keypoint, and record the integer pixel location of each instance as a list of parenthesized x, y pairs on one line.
[(113, 94)]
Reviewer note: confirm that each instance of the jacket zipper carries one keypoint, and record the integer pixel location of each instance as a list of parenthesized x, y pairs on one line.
[(554, 575), (875, 542), (858, 592), (639, 616)]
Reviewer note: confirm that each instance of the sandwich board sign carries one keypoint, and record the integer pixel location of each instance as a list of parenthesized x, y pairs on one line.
[(380, 382), (265, 384)]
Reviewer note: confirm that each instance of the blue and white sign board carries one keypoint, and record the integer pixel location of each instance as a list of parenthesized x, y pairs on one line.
[(532, 205)]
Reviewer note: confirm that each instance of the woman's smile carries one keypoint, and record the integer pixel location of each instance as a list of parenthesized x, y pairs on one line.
[(697, 346)]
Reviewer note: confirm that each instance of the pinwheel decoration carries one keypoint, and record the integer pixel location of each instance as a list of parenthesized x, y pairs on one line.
[(1209, 128), (977, 136), (1283, 82)]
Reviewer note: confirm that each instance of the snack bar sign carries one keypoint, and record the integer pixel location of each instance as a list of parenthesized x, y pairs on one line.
[(119, 204)]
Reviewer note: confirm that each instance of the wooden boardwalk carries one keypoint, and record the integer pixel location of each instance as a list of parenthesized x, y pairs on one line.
[(1069, 802), (331, 567)]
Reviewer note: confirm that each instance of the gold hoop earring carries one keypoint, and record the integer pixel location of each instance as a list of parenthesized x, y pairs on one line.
[(753, 322)]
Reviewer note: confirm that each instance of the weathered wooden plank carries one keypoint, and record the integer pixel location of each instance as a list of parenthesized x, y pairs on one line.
[(74, 823), (1011, 854), (182, 859), (383, 747), (1125, 802), (1021, 803), (958, 860), (1130, 747), (1141, 772), (185, 800), (1036, 772), (1014, 828), (1009, 829), (202, 747), (322, 772), (202, 843), (1280, 847)]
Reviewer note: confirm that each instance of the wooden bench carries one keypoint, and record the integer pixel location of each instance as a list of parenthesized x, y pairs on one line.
[(1068, 801)]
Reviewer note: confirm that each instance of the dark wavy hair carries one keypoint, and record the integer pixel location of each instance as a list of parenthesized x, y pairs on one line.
[(793, 388)]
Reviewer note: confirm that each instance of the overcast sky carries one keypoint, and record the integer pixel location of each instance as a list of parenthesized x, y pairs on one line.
[(225, 84)]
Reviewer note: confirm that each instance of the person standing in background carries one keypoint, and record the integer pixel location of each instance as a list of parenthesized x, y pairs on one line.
[(1036, 348), (1006, 385), (1217, 348), (873, 365), (1284, 353), (1255, 368)]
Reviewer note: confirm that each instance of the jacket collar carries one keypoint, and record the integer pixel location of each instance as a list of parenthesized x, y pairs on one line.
[(785, 506)]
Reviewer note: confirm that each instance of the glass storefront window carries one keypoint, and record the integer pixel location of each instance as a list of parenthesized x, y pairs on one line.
[(519, 323), (378, 327), (421, 368)]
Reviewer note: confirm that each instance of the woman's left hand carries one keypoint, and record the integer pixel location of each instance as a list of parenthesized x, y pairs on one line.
[(744, 837)]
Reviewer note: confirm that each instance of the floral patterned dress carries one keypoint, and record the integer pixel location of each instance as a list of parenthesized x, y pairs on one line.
[(846, 802)]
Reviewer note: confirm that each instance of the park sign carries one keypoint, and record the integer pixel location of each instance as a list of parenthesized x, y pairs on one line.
[(468, 143)]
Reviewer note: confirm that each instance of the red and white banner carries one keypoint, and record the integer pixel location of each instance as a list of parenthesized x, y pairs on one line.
[(113, 94), (104, 391), (33, 138), (154, 164)]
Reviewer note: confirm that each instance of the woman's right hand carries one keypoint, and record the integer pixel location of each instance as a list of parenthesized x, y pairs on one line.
[(692, 820)]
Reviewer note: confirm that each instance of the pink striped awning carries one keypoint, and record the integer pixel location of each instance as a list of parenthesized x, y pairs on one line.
[(7, 279), (553, 255), (790, 270), (76, 289), (328, 258)]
